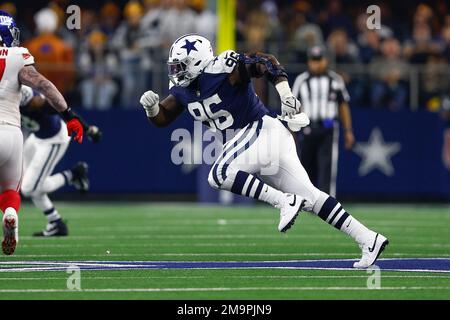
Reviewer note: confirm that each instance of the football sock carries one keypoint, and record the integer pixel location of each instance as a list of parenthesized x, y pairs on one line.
[(44, 203), (10, 199), (68, 176), (250, 186), (52, 215), (331, 211)]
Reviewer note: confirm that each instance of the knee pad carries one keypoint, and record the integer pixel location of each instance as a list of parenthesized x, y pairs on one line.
[(10, 199), (222, 177), (211, 181)]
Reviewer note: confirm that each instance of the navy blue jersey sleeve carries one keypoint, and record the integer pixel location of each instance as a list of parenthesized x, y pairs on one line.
[(177, 92)]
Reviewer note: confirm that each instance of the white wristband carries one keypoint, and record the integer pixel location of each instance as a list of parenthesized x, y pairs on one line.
[(152, 111), (283, 89)]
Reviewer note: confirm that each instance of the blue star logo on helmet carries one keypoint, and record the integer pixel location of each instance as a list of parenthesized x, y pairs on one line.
[(189, 46)]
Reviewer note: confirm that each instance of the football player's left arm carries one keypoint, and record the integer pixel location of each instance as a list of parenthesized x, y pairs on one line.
[(344, 114), (346, 121), (39, 104), (256, 65), (29, 76)]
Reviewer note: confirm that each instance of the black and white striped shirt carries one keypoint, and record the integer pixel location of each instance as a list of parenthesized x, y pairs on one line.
[(321, 94)]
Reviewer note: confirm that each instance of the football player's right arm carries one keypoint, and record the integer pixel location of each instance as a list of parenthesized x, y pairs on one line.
[(160, 113)]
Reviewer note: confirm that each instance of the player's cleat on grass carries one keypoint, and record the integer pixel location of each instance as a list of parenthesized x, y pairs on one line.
[(80, 178), (289, 210), (10, 231), (372, 247), (53, 229)]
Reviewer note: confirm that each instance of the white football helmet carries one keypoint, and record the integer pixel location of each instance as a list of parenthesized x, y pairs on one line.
[(188, 56)]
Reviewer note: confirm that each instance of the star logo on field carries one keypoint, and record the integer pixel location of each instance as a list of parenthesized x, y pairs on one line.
[(376, 154), (189, 46)]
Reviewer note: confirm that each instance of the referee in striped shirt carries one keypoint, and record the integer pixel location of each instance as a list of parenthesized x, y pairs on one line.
[(324, 98)]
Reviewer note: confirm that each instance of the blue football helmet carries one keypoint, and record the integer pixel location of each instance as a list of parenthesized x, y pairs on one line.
[(9, 33)]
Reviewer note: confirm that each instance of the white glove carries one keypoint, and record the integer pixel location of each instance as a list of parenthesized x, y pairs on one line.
[(289, 103), (296, 122), (290, 106), (150, 103)]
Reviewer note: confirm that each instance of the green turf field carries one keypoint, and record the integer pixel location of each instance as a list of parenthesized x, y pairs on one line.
[(188, 232)]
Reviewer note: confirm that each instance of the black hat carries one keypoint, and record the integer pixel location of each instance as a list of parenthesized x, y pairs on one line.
[(316, 53)]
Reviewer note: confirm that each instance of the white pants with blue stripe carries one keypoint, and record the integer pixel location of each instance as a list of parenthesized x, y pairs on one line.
[(40, 159), (263, 149)]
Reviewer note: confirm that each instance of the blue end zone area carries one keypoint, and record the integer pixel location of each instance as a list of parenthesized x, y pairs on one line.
[(407, 264)]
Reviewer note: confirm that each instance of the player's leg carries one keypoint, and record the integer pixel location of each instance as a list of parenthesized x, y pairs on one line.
[(308, 153), (41, 157), (243, 157), (39, 167), (11, 144), (55, 225), (293, 178), (324, 163), (76, 177), (38, 182), (50, 182), (28, 150)]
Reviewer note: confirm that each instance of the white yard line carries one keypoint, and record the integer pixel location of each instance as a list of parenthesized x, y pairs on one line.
[(350, 255), (231, 277), (274, 236), (181, 236), (229, 244), (117, 290)]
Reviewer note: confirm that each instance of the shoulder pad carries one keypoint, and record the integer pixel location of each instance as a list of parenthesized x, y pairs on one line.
[(26, 55), (223, 63)]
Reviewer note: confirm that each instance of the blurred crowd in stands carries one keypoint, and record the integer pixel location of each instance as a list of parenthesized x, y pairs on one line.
[(120, 49)]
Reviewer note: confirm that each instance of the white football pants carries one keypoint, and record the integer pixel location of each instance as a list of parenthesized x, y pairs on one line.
[(40, 159), (11, 147), (266, 149)]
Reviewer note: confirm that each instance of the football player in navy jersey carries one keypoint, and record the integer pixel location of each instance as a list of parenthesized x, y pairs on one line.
[(260, 160), (45, 144)]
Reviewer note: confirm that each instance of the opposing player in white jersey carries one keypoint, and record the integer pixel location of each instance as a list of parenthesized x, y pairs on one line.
[(16, 68), (45, 144), (260, 160)]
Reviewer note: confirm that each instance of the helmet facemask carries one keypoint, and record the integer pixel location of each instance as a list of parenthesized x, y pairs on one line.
[(15, 33), (178, 73)]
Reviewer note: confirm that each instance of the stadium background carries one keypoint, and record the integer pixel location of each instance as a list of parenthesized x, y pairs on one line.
[(398, 78)]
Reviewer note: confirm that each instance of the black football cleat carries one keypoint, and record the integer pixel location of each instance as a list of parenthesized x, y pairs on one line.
[(80, 178), (54, 229)]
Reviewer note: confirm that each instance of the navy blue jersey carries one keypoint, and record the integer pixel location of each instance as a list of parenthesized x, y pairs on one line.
[(212, 99), (44, 123)]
